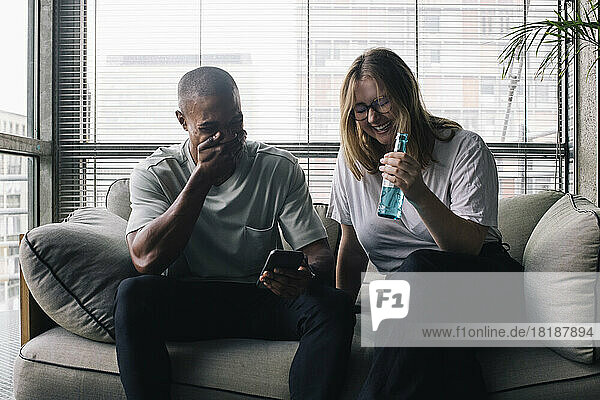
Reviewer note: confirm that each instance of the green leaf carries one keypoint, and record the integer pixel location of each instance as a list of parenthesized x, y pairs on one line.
[(553, 39)]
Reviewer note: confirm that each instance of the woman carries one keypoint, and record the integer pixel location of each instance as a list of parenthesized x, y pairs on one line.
[(449, 216)]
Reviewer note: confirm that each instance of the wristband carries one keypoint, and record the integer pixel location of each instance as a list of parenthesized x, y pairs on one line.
[(310, 269)]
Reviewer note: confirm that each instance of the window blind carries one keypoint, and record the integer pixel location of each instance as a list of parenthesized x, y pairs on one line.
[(74, 107), (120, 61)]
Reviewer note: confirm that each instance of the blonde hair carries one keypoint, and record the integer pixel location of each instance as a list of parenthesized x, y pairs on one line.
[(394, 78)]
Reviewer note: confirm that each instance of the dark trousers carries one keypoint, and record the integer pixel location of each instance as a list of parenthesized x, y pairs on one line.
[(434, 373), (151, 310)]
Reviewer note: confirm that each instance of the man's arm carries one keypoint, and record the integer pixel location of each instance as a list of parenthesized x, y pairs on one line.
[(155, 246), (320, 259)]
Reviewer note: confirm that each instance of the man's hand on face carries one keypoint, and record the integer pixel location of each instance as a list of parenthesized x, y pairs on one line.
[(287, 283), (217, 158)]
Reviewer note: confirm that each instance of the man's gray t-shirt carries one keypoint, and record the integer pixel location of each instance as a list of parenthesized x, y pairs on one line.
[(238, 223), (464, 178)]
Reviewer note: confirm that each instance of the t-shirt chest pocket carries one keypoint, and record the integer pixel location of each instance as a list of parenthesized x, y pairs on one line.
[(258, 242)]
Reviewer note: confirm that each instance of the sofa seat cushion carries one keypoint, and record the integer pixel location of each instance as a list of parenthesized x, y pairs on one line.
[(506, 369), (244, 366), (241, 365)]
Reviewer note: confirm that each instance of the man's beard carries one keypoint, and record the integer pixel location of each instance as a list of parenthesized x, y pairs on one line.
[(243, 149)]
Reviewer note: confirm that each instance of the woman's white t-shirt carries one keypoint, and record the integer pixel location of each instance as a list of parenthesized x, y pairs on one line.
[(464, 178)]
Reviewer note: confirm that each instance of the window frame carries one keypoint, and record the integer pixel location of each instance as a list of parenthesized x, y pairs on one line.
[(38, 143)]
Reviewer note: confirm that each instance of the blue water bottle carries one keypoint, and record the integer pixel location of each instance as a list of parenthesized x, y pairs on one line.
[(390, 204)]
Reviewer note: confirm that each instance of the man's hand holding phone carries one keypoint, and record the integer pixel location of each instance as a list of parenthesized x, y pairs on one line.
[(286, 274)]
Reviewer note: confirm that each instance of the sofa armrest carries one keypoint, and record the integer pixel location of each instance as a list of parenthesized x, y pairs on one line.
[(34, 320)]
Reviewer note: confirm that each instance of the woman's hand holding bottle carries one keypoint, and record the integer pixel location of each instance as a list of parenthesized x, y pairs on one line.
[(404, 172)]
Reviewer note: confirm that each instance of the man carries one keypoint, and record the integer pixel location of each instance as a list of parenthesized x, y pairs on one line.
[(217, 201)]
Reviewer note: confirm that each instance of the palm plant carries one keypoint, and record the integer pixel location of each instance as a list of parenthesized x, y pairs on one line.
[(576, 30)]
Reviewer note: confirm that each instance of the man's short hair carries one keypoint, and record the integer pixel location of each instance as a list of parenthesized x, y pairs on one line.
[(204, 81)]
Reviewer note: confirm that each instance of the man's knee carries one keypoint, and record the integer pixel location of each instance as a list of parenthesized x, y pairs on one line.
[(132, 287), (136, 291)]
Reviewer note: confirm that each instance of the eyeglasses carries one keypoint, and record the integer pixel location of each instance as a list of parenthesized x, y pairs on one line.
[(381, 105)]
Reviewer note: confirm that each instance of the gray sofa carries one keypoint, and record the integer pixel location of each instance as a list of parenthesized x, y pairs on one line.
[(57, 364)]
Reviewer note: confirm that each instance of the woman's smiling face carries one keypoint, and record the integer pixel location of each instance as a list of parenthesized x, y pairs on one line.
[(378, 125)]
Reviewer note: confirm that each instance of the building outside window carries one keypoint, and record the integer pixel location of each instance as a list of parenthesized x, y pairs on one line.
[(13, 201), (16, 173)]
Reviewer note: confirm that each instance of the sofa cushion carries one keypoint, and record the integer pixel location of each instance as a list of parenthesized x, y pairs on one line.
[(88, 369), (73, 270), (518, 216), (536, 373), (566, 239), (332, 227), (117, 198), (244, 366)]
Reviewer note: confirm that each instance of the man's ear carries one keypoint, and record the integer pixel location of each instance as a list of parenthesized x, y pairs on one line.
[(181, 119)]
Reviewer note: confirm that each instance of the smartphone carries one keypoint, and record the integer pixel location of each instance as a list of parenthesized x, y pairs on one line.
[(281, 259)]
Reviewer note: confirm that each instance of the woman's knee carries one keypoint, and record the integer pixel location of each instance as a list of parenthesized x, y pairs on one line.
[(336, 307), (420, 261)]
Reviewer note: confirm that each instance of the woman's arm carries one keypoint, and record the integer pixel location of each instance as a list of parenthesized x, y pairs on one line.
[(450, 232), (351, 261)]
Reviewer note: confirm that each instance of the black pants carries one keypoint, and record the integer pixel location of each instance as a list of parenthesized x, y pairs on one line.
[(402, 373), (150, 310)]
